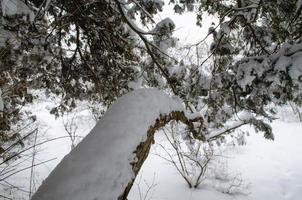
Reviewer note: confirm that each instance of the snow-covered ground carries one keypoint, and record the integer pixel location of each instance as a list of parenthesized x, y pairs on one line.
[(268, 169)]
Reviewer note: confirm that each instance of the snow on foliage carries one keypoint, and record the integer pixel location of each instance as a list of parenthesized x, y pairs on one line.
[(281, 69), (298, 5), (157, 4), (16, 7), (7, 37), (98, 168), (163, 37)]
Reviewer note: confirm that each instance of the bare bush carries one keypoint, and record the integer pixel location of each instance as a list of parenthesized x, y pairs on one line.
[(71, 129), (202, 162), (190, 158), (296, 110), (150, 187)]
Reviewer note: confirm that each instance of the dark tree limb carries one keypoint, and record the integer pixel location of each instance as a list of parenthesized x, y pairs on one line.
[(142, 150)]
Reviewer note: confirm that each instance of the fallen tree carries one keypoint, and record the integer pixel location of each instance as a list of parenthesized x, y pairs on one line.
[(104, 165)]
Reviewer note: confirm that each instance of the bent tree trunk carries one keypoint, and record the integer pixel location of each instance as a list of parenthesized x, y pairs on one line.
[(104, 165)]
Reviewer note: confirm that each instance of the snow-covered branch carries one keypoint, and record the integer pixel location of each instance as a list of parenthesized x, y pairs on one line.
[(105, 163)]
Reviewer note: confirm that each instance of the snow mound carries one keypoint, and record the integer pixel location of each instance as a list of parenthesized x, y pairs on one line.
[(98, 168)]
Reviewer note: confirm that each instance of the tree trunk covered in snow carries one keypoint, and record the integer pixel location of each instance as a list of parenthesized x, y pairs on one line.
[(142, 150), (103, 166)]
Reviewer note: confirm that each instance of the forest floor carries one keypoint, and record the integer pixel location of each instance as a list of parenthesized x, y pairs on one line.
[(265, 169)]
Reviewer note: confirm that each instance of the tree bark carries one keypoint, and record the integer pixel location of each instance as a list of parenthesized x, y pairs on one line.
[(143, 149)]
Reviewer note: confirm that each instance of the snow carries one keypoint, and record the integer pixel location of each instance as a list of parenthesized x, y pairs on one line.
[(157, 3), (193, 115), (98, 168), (232, 124), (7, 37), (136, 84), (295, 71), (282, 63), (16, 7), (165, 29), (298, 5), (269, 170), (247, 72)]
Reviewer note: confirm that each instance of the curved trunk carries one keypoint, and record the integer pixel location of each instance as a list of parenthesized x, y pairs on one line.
[(104, 165), (142, 150)]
